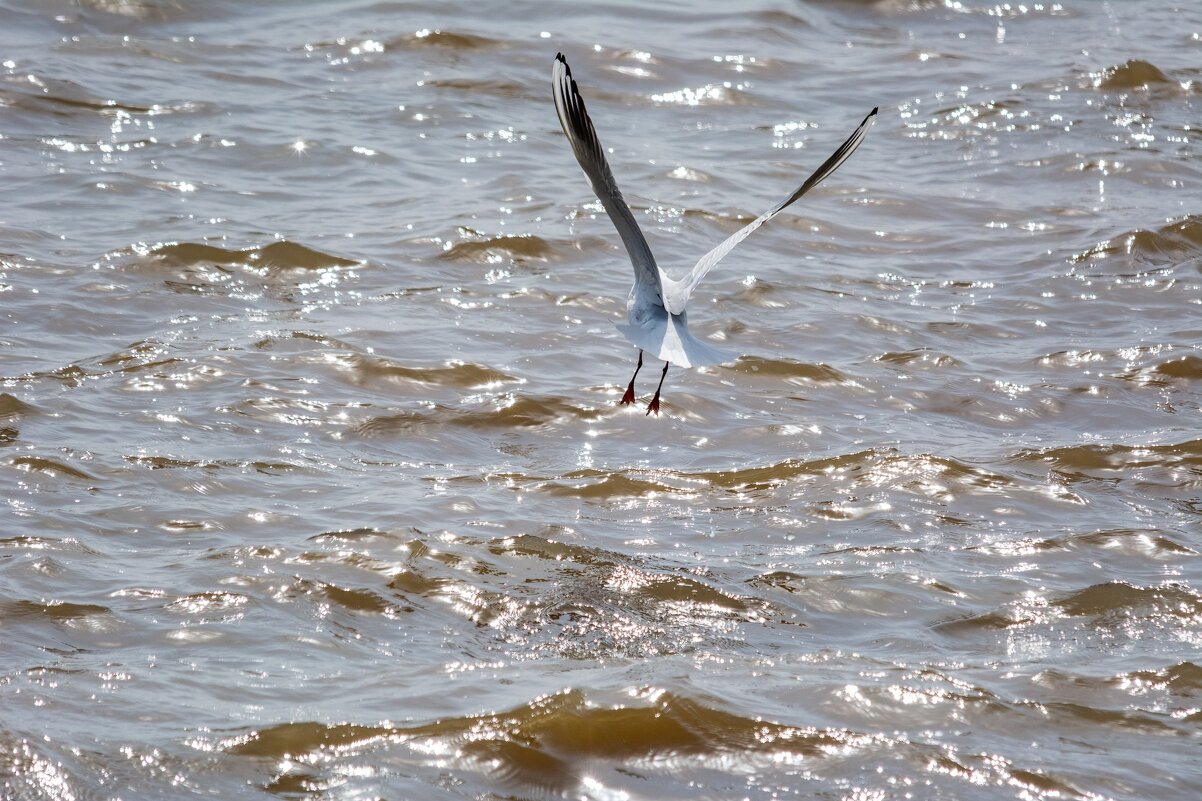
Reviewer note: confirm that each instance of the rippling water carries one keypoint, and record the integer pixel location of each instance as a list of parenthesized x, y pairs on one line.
[(314, 482)]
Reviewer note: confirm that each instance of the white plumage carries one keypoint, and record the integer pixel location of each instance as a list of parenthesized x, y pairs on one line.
[(655, 310)]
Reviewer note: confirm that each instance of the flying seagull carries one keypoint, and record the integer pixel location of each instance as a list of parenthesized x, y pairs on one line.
[(655, 310)]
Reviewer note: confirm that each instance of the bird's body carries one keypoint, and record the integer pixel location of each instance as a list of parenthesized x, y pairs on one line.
[(655, 310)]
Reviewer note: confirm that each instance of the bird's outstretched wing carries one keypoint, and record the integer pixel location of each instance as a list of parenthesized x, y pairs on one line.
[(574, 120), (676, 293)]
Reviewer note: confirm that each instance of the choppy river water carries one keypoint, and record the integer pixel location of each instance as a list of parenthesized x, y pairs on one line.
[(313, 480)]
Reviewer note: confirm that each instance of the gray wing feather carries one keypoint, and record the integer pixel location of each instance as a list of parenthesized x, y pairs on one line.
[(574, 120), (676, 294)]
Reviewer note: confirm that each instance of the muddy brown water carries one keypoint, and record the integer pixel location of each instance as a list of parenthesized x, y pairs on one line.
[(314, 485)]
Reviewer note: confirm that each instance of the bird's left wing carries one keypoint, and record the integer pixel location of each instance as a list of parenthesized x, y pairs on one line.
[(676, 293), (574, 120)]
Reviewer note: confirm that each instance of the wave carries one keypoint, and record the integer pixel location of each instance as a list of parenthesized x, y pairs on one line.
[(13, 408), (55, 611), (1183, 678), (1146, 542), (369, 370), (791, 370), (1169, 243), (509, 90), (49, 467), (531, 592), (279, 256), (925, 474), (547, 743), (518, 249), (1134, 73), (1188, 368), (503, 412), (1121, 598), (451, 40), (1086, 459)]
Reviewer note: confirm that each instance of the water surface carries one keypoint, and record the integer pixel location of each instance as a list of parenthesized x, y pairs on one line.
[(314, 481)]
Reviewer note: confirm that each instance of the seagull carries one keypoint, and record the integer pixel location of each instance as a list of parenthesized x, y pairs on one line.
[(655, 309)]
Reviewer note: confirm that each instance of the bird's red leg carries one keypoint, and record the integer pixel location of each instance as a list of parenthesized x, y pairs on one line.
[(629, 396), (654, 405)]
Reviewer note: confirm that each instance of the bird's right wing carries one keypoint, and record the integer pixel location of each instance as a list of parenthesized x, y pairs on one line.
[(676, 293), (574, 120)]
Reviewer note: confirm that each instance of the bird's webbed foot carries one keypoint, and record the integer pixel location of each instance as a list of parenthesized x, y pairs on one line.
[(628, 398), (654, 405)]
